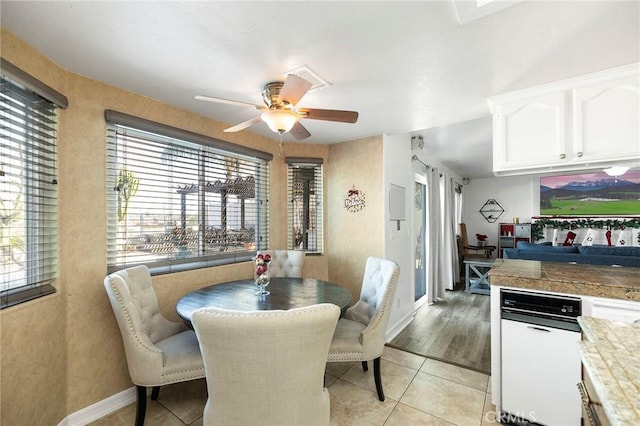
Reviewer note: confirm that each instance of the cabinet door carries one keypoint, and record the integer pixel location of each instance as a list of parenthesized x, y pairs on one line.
[(531, 133), (615, 310), (523, 231), (606, 120)]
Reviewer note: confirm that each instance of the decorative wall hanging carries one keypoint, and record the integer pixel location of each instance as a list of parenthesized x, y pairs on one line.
[(354, 201), (491, 210)]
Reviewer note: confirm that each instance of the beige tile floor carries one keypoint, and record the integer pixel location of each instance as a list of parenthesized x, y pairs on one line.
[(418, 390)]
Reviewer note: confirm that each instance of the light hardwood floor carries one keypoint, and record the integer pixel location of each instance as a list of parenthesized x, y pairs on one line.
[(455, 330)]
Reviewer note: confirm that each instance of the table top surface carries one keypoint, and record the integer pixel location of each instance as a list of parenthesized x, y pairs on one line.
[(286, 293), (479, 261)]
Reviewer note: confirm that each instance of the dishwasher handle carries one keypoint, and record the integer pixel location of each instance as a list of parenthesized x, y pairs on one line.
[(538, 328)]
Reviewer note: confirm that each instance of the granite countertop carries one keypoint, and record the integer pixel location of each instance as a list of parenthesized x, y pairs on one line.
[(589, 280), (609, 354)]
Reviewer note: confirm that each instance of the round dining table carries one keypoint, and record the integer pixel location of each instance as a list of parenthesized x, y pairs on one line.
[(286, 293)]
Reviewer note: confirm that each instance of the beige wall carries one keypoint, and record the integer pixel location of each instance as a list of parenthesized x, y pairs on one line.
[(33, 349), (353, 236), (63, 352)]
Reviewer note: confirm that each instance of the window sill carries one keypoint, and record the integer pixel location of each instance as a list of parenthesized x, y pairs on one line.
[(20, 295)]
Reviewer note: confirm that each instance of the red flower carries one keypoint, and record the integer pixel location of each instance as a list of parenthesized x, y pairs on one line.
[(481, 237)]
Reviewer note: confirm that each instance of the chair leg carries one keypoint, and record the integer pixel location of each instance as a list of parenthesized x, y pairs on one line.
[(142, 405), (378, 380), (365, 366), (155, 393)]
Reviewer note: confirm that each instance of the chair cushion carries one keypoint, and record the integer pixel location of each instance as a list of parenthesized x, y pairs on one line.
[(181, 357), (346, 344)]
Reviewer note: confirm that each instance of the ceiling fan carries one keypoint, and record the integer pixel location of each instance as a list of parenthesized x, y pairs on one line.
[(280, 113)]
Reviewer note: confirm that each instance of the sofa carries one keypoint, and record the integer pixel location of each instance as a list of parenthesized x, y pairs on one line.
[(592, 255)]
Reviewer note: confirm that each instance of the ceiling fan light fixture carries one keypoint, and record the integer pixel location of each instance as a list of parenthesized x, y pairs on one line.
[(280, 120), (616, 171)]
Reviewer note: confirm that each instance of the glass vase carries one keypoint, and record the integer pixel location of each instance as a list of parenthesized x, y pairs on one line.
[(262, 281)]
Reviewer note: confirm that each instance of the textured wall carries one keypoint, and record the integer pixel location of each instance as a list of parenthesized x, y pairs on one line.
[(33, 345), (63, 352), (352, 237)]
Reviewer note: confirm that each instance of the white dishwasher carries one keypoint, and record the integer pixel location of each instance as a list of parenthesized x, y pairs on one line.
[(540, 360)]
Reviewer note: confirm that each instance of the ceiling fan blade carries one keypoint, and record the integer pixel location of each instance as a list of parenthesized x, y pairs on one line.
[(329, 115), (294, 89), (299, 131), (244, 125), (227, 101)]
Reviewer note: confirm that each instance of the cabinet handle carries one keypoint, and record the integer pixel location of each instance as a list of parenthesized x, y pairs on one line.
[(579, 154), (538, 328), (563, 156)]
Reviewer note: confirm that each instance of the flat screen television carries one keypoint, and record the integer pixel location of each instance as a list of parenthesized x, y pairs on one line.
[(590, 194)]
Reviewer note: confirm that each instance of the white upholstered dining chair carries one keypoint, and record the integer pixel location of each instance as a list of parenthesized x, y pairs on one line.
[(285, 263), (360, 334), (158, 351), (266, 367)]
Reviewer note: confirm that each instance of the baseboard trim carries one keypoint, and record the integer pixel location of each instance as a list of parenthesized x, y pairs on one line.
[(101, 408), (397, 328)]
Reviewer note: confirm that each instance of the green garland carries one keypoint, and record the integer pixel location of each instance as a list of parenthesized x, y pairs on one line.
[(537, 228)]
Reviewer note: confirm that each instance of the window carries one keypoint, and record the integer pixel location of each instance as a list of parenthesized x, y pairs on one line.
[(304, 186), (179, 200), (28, 193)]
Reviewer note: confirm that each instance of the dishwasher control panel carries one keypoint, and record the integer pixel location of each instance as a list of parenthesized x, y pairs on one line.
[(540, 303)]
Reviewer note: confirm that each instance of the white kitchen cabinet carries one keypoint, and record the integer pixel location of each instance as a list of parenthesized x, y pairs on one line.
[(583, 123), (536, 122), (605, 120), (611, 309)]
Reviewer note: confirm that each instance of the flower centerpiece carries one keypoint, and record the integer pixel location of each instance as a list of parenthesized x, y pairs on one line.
[(262, 273), (482, 239)]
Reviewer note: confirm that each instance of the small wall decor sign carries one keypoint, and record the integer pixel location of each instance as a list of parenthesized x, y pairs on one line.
[(354, 201)]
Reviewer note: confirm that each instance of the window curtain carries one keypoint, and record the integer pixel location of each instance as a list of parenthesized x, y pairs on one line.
[(449, 257), (434, 271)]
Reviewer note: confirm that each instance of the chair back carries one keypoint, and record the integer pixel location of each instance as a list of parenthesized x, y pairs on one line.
[(466, 250), (135, 306), (285, 263), (374, 305), (464, 240), (266, 367)]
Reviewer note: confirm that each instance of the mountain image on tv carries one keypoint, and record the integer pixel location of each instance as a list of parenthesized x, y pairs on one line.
[(590, 194)]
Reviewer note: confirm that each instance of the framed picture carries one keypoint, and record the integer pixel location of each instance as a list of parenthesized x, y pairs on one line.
[(590, 194)]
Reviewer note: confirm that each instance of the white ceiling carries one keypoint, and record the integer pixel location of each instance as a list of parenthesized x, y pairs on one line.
[(419, 67)]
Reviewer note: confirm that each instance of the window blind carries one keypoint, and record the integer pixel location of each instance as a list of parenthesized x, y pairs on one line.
[(28, 194), (175, 204), (305, 210)]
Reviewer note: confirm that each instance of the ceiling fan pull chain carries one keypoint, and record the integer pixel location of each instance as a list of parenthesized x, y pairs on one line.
[(280, 145)]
